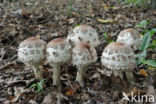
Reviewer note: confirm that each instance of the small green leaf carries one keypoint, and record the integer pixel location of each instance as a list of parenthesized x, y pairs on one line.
[(69, 13), (116, 33), (77, 25), (32, 86), (111, 41), (40, 85), (154, 42), (149, 62), (146, 41), (43, 80), (151, 46), (105, 35), (154, 29), (143, 24), (140, 56)]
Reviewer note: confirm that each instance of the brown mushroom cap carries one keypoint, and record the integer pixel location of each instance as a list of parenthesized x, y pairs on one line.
[(84, 33), (58, 51), (135, 34), (83, 54), (56, 42), (32, 51), (130, 37), (118, 56)]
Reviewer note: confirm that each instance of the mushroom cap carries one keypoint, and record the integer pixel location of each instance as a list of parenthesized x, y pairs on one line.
[(130, 37), (83, 55), (84, 33), (58, 51), (32, 51), (117, 56)]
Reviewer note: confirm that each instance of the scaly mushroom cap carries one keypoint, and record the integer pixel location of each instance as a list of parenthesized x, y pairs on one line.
[(130, 37), (58, 51), (32, 51), (84, 33), (83, 55), (118, 56)]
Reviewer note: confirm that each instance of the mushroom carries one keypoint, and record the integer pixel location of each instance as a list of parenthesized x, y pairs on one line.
[(84, 33), (119, 58), (58, 53), (32, 52), (83, 55), (130, 37)]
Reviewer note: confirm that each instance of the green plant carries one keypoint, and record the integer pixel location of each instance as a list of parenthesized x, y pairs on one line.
[(70, 8), (38, 86), (108, 37), (77, 25), (143, 24), (147, 43), (141, 3), (149, 62)]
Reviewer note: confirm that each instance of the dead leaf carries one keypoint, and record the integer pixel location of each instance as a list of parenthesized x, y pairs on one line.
[(6, 102), (106, 21), (143, 73), (32, 27), (95, 76), (105, 72), (13, 64), (37, 36), (14, 99), (85, 96), (19, 12), (71, 20), (96, 86), (26, 14), (47, 99), (106, 7), (154, 13), (71, 89), (134, 91)]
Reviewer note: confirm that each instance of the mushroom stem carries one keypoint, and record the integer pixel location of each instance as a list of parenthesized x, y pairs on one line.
[(80, 76), (130, 76), (56, 75), (37, 71), (118, 73)]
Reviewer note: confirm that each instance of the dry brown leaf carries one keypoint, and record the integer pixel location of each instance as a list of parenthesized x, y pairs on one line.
[(71, 89), (14, 99), (143, 73), (95, 76), (50, 99), (71, 20), (10, 65), (106, 21), (26, 14), (105, 72), (96, 86)]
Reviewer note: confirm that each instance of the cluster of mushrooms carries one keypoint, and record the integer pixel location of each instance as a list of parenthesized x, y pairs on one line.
[(79, 49)]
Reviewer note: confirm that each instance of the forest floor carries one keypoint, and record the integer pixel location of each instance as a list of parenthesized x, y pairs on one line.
[(55, 18)]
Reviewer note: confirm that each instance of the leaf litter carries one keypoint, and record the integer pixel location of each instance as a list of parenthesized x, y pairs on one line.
[(55, 18)]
